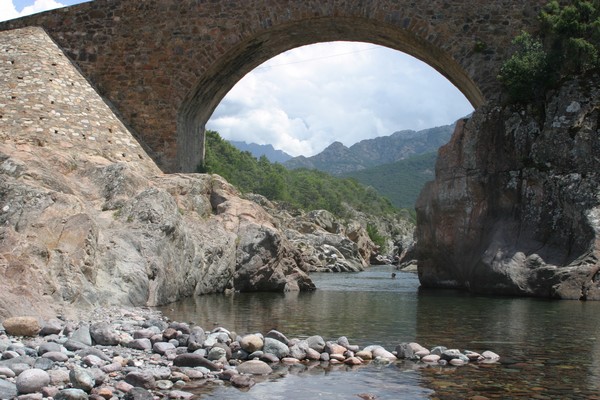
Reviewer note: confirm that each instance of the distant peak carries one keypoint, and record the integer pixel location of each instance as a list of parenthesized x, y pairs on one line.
[(336, 145)]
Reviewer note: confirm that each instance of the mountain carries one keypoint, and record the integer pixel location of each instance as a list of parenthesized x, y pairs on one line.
[(402, 181), (338, 159), (258, 150)]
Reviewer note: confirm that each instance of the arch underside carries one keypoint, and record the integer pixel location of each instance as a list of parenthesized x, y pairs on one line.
[(231, 67)]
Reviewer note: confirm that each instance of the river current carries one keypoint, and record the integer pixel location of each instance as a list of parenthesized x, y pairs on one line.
[(549, 349)]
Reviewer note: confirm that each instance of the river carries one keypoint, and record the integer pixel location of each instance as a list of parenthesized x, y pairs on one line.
[(549, 349)]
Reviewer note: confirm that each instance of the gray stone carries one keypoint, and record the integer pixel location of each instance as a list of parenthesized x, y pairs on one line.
[(32, 380), (81, 335), (254, 367), (98, 375), (49, 346), (92, 360), (405, 351), (51, 327), (316, 343), (242, 381), (275, 334), (112, 367), (81, 379), (450, 354), (216, 337), (276, 347), (58, 377), (8, 390), (56, 356), (162, 347), (146, 333), (30, 396), (194, 360), (251, 343), (140, 344), (438, 350), (43, 363), (143, 379), (266, 357), (240, 355), (164, 384), (103, 333), (138, 393), (6, 372), (158, 323), (93, 351), (298, 351), (75, 345), (18, 368), (181, 326), (216, 353), (71, 394), (196, 338), (380, 352), (180, 394), (160, 373)]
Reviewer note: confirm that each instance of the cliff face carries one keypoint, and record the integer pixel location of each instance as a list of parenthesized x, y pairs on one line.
[(86, 217), (515, 205)]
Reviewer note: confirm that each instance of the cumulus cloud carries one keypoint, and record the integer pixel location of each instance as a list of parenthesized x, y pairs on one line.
[(9, 10), (303, 100)]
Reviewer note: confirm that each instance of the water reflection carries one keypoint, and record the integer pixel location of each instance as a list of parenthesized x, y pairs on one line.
[(549, 349)]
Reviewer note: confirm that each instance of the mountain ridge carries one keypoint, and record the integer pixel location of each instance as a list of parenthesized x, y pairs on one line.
[(258, 150), (337, 159)]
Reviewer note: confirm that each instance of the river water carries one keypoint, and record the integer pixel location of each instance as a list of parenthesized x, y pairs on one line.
[(549, 349)]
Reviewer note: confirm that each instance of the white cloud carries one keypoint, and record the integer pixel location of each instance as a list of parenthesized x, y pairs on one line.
[(303, 100), (8, 10)]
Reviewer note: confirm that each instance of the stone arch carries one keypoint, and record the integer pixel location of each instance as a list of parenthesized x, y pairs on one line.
[(219, 78)]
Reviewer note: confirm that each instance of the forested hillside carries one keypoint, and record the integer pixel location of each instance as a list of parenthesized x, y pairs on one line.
[(301, 188), (400, 182)]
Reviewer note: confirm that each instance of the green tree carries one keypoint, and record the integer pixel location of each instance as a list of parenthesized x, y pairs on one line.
[(301, 188), (525, 74), (568, 45)]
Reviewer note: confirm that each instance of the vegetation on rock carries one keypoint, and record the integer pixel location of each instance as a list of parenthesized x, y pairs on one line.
[(567, 45), (301, 188)]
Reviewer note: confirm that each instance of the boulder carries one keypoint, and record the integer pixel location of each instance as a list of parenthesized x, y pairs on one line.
[(251, 343), (265, 261), (254, 367), (32, 381), (22, 326), (275, 347)]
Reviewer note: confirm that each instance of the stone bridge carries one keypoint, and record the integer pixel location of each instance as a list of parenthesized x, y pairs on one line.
[(165, 65)]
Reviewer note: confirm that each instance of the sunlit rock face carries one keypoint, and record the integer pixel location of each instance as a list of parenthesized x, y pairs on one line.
[(515, 206), (87, 219)]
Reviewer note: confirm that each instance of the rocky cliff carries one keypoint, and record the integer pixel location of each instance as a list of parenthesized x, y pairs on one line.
[(86, 217), (515, 206)]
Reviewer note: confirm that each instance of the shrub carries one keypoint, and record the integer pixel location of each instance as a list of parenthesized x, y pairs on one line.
[(525, 75)]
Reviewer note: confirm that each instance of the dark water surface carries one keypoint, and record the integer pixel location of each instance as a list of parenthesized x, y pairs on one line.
[(548, 349)]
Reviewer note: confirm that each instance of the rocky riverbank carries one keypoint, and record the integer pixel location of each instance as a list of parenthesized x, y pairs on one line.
[(138, 354)]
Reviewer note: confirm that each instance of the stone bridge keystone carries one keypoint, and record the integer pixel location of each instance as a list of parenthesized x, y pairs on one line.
[(165, 65)]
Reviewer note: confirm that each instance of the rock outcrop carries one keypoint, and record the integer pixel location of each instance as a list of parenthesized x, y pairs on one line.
[(86, 217), (515, 206)]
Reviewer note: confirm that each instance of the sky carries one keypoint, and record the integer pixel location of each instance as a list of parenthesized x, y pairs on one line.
[(303, 100)]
